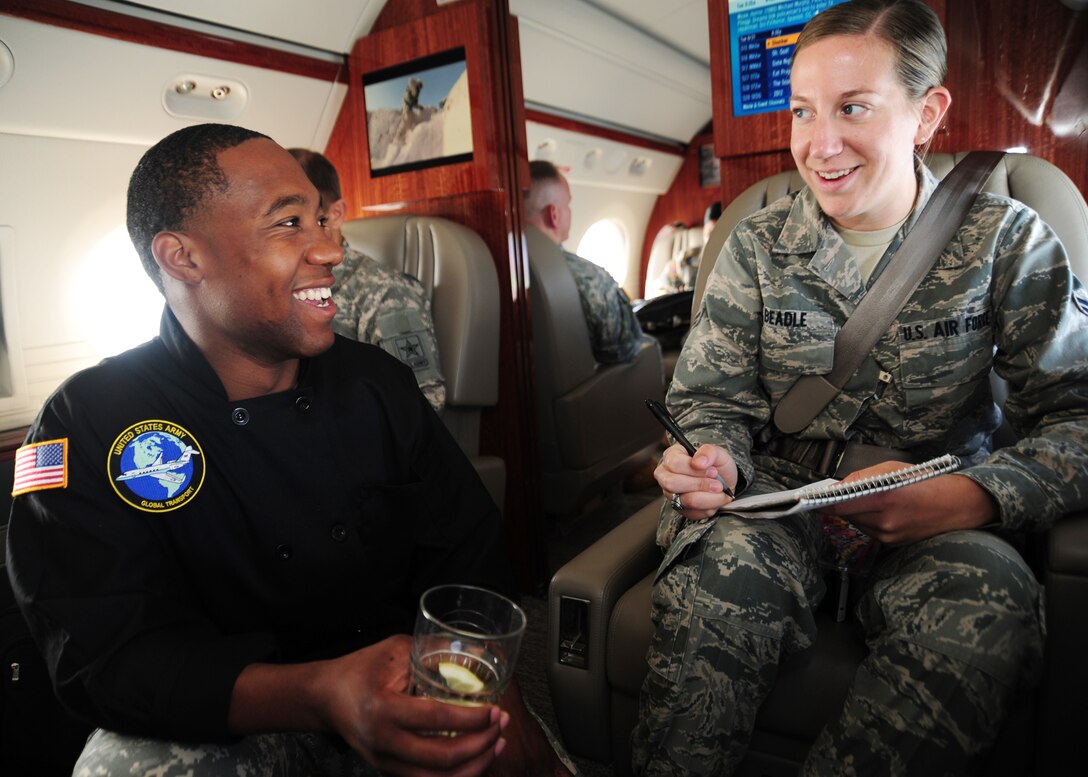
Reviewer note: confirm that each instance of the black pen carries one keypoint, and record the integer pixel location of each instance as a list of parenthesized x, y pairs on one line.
[(666, 419)]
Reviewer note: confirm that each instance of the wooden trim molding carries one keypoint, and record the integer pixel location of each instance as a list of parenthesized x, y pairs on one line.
[(110, 24), (607, 133), (10, 441)]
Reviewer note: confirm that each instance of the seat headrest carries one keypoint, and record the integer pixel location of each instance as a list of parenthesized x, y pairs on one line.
[(561, 342), (456, 269)]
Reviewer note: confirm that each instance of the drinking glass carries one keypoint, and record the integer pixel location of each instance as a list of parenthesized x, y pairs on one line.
[(465, 644)]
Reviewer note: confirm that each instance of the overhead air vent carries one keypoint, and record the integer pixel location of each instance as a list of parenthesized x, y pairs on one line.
[(546, 149), (640, 164), (191, 96)]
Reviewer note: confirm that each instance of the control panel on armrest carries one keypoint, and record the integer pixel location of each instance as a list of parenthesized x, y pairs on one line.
[(574, 632)]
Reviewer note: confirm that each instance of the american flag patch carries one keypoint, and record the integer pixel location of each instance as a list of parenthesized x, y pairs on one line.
[(41, 465)]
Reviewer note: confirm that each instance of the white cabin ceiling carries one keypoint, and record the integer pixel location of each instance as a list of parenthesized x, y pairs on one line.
[(636, 65), (329, 25), (639, 65), (680, 23)]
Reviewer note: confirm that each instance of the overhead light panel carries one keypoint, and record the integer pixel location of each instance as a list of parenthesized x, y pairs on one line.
[(191, 96)]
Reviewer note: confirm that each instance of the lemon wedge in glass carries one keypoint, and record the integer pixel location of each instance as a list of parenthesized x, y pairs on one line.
[(459, 679)]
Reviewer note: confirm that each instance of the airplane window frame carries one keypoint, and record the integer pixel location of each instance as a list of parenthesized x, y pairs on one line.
[(613, 252), (14, 402)]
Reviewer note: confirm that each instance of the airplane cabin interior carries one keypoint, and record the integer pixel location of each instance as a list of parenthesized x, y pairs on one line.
[(636, 102)]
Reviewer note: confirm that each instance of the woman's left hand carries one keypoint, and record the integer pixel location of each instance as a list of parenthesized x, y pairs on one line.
[(912, 513)]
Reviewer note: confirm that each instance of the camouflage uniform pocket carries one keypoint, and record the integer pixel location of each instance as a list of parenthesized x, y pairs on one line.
[(943, 369), (793, 343), (671, 605)]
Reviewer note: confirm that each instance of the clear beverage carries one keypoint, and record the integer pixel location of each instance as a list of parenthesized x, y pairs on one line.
[(456, 677), (464, 645)]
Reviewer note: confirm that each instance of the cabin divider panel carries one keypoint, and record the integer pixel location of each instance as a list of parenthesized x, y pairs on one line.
[(483, 193)]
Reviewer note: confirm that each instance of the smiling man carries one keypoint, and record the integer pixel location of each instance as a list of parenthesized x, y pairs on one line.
[(260, 604)]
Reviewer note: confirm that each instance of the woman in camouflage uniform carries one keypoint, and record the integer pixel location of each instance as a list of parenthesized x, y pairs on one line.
[(951, 612)]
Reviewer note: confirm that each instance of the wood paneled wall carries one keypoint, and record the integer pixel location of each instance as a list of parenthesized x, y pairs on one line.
[(483, 194), (1018, 74)]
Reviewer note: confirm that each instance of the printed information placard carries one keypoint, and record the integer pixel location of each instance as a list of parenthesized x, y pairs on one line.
[(762, 35)]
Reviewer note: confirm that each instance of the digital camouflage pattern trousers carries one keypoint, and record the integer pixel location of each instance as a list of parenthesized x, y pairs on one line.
[(286, 754), (954, 627), (109, 754)]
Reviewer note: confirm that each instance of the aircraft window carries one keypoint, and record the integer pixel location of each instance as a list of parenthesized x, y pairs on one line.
[(118, 301), (605, 244), (7, 383)]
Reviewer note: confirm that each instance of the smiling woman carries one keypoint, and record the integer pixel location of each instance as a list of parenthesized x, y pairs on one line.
[(787, 282), (850, 121)]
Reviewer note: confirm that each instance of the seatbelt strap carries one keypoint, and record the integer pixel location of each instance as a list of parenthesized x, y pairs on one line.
[(940, 219)]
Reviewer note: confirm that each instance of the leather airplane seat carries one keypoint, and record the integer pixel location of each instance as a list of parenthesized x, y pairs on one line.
[(592, 424), (456, 269)]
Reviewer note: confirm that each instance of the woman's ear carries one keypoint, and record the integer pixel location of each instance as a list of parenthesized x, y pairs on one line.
[(172, 253), (934, 107)]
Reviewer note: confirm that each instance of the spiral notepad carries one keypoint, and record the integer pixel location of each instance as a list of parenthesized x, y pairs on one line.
[(831, 491)]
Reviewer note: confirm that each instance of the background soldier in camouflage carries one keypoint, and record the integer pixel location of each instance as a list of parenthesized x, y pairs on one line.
[(375, 304), (952, 614), (614, 331)]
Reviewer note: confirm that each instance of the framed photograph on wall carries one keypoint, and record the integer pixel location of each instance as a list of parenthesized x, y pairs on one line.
[(418, 114)]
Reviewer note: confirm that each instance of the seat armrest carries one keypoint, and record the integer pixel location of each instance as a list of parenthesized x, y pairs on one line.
[(581, 597), (1067, 546), (1059, 728), (602, 418)]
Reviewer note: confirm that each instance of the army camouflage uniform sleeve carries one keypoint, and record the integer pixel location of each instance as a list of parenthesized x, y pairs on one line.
[(388, 309), (614, 330)]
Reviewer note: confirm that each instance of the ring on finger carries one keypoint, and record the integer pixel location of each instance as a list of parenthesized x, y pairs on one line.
[(676, 503)]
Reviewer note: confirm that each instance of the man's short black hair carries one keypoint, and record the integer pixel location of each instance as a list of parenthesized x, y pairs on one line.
[(321, 172), (713, 212), (543, 170), (172, 180)]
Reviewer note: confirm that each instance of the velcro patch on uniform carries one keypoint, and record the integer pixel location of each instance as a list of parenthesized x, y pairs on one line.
[(1080, 299), (404, 335), (41, 465), (156, 466)]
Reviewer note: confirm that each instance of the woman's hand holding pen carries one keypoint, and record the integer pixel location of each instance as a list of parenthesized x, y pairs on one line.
[(694, 481)]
